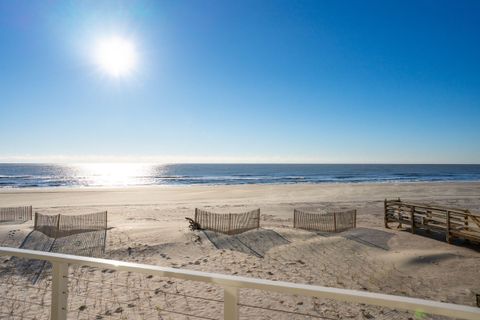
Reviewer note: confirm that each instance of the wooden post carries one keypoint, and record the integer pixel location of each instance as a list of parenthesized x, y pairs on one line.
[(385, 212), (258, 225), (448, 227), (196, 213), (412, 218), (426, 221), (230, 303), (400, 214), (335, 221), (355, 218), (105, 233), (229, 223), (294, 218), (35, 222), (58, 226), (58, 307), (465, 221)]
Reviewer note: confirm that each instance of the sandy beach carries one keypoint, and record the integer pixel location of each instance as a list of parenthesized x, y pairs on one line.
[(277, 160), (147, 225)]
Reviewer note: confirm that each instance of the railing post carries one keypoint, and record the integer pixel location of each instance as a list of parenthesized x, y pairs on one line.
[(58, 308), (230, 303)]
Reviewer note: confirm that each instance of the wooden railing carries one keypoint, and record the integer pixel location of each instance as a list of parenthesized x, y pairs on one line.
[(231, 286), (454, 222)]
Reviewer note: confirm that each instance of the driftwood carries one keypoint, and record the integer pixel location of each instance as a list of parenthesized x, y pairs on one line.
[(192, 224)]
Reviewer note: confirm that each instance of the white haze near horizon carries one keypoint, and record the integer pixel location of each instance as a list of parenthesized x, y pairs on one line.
[(78, 159)]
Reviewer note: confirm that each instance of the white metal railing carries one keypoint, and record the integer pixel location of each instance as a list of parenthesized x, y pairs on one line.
[(231, 286)]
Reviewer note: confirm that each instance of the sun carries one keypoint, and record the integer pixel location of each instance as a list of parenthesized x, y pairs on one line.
[(116, 56)]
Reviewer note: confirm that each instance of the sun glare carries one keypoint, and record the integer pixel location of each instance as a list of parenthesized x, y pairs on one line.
[(116, 56), (113, 174)]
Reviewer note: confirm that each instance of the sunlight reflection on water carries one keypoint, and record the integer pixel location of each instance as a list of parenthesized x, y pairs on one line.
[(114, 174), (142, 174)]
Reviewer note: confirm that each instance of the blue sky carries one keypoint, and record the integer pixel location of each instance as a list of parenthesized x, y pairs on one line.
[(245, 81)]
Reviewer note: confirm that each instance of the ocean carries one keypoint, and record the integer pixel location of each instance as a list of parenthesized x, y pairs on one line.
[(130, 174)]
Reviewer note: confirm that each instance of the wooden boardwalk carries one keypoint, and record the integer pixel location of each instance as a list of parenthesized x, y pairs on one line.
[(454, 222)]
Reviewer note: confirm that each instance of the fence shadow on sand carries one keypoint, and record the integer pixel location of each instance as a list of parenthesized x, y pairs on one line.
[(254, 242), (367, 236), (87, 243)]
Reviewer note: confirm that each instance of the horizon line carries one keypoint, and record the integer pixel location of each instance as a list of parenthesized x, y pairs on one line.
[(234, 163)]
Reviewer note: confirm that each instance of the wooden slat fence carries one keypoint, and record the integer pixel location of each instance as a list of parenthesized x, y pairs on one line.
[(228, 223), (47, 224), (64, 225), (335, 221), (454, 222), (16, 214)]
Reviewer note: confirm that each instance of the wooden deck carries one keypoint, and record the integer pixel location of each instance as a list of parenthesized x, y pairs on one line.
[(454, 222)]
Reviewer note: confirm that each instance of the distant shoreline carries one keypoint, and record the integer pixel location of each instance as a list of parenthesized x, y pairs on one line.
[(246, 185)]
